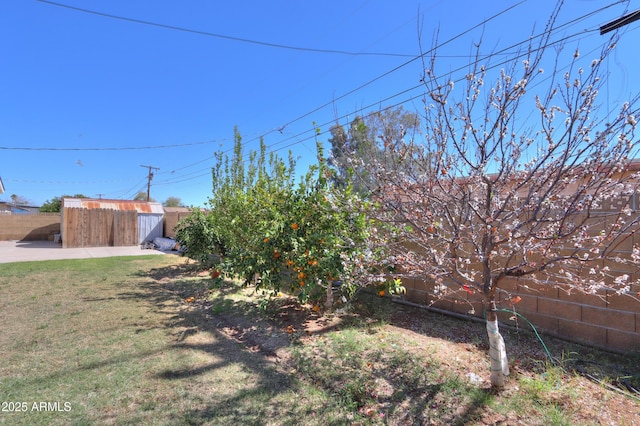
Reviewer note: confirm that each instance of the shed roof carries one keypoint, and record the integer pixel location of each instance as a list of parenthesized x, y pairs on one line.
[(93, 203)]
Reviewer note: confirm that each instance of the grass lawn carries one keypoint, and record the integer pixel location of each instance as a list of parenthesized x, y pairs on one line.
[(148, 340)]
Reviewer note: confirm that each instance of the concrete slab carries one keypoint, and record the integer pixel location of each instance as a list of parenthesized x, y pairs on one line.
[(24, 251)]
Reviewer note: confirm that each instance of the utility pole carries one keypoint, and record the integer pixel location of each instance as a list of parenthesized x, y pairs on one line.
[(150, 176)]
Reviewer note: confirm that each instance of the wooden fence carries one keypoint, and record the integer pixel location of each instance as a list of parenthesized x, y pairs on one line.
[(99, 227)]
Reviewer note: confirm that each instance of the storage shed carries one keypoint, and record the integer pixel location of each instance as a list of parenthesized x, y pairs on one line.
[(88, 222)]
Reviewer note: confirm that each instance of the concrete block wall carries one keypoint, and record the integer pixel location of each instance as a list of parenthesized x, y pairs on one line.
[(30, 227), (171, 219), (606, 320)]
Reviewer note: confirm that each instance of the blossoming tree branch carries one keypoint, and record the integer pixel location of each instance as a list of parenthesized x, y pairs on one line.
[(518, 178)]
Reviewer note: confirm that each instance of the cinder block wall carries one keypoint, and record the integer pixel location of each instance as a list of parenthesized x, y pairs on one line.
[(31, 227), (171, 219), (606, 320)]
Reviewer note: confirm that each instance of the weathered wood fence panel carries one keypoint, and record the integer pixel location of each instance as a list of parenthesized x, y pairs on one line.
[(125, 228), (99, 227), (71, 227)]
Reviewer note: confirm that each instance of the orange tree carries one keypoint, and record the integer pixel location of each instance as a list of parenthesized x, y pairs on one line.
[(331, 243), (308, 238)]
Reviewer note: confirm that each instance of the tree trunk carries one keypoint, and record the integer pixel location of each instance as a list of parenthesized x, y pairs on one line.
[(329, 302), (497, 350)]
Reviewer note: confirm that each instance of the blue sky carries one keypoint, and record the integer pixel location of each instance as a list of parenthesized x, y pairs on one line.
[(86, 99)]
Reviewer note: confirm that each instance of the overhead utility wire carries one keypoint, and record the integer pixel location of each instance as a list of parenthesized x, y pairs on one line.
[(506, 61), (414, 58), (296, 137), (178, 178), (182, 178), (123, 148), (223, 36), (486, 57), (168, 181), (314, 134), (302, 116), (434, 49), (421, 56)]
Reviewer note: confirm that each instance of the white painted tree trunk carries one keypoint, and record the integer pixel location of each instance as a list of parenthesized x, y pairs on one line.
[(498, 355)]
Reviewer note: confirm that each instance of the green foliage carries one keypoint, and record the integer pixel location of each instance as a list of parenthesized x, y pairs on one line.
[(371, 139), (172, 202), (142, 196), (55, 204), (196, 236), (308, 238)]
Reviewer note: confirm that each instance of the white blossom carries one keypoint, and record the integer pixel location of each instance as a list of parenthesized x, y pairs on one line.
[(621, 279)]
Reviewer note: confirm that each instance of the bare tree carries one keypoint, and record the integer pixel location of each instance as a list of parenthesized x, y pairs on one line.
[(513, 184), (19, 200)]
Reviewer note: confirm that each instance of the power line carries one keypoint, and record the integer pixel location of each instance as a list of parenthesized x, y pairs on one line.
[(439, 46), (223, 36), (182, 178), (413, 59), (362, 86), (310, 134), (617, 23), (504, 51), (133, 194), (128, 191), (124, 148)]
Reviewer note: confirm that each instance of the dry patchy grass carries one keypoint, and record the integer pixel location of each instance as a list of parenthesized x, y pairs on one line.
[(146, 340)]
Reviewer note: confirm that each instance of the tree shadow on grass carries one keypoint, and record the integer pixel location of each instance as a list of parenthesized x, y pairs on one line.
[(259, 342), (231, 334)]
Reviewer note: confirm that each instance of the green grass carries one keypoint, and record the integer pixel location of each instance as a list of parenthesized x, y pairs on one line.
[(117, 341)]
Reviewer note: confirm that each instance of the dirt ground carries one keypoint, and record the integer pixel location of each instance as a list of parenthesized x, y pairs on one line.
[(461, 346)]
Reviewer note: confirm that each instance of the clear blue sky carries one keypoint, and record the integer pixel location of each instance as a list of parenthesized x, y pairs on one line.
[(77, 81)]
